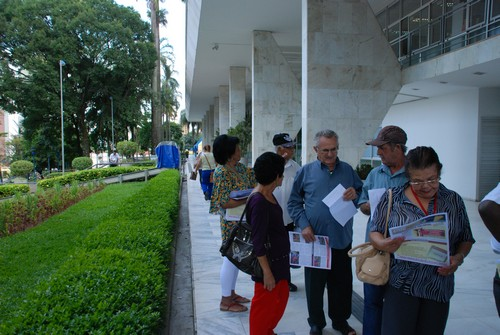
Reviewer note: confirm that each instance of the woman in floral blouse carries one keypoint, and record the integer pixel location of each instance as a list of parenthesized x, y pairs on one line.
[(229, 175)]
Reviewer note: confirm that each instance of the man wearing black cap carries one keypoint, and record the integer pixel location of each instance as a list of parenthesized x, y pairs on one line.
[(391, 147), (285, 147)]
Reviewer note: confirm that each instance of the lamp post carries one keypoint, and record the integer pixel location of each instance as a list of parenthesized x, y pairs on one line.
[(61, 64), (112, 124)]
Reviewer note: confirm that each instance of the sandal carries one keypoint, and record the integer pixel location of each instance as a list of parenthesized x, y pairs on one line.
[(346, 330), (240, 300), (233, 307)]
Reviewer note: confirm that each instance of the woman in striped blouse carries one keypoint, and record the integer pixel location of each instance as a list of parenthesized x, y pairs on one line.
[(417, 297)]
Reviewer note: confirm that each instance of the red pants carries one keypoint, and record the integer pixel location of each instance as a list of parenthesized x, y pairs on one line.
[(268, 307)]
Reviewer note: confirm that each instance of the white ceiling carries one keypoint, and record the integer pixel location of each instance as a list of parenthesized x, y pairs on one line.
[(224, 39)]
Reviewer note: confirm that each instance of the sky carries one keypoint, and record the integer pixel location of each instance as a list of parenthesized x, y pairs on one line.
[(174, 32)]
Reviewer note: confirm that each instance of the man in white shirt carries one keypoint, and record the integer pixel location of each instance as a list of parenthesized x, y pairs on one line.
[(489, 209), (114, 159), (285, 147)]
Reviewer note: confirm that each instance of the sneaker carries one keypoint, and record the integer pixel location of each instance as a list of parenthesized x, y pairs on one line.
[(293, 287)]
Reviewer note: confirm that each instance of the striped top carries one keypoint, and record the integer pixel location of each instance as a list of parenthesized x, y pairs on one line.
[(415, 279)]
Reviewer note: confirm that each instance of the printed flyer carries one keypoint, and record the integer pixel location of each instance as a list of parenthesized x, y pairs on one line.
[(314, 255), (426, 240)]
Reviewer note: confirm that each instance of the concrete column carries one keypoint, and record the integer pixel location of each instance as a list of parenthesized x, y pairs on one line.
[(216, 118), (237, 98), (224, 109), (204, 124), (350, 76), (276, 94), (210, 125)]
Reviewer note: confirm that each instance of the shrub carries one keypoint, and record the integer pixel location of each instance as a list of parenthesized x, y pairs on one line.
[(127, 148), (86, 176), (115, 282), (363, 170), (11, 189), (81, 163), (21, 168)]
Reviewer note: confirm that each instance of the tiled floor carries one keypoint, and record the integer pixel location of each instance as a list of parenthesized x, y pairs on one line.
[(472, 307)]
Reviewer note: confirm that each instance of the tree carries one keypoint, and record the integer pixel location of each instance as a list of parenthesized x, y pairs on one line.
[(127, 148), (176, 133), (108, 51), (21, 168), (157, 18), (169, 89)]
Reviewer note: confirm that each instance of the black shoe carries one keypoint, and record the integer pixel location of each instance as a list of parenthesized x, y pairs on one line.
[(315, 330), (206, 196), (293, 287), (345, 329)]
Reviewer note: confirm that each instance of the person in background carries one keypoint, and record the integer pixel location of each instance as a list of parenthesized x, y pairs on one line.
[(114, 159), (489, 209), (206, 165), (314, 181), (391, 147), (229, 175), (417, 297), (265, 216), (285, 147)]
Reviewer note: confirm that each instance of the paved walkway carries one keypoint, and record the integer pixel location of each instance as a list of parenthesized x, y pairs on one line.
[(472, 307)]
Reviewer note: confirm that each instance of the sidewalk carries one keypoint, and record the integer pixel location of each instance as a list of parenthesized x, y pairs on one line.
[(472, 310)]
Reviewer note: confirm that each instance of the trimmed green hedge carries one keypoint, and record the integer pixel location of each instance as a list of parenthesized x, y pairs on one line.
[(87, 175), (115, 283), (81, 163), (11, 189), (21, 168)]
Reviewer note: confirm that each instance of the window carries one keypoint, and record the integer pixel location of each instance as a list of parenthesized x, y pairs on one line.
[(435, 32), (495, 8), (455, 23), (436, 9), (394, 13), (393, 32), (476, 13), (408, 6)]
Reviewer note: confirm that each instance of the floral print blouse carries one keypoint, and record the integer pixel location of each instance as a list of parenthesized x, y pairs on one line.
[(225, 181)]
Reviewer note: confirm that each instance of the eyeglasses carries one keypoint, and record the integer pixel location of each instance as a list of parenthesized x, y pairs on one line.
[(427, 182), (327, 151)]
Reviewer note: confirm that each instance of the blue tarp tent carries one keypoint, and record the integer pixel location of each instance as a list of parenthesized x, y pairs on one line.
[(196, 146), (168, 155)]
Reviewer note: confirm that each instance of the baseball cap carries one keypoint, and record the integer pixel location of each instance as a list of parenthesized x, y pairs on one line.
[(389, 134), (284, 140)]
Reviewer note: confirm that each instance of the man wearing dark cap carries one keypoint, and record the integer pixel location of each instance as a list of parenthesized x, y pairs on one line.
[(285, 147), (391, 147)]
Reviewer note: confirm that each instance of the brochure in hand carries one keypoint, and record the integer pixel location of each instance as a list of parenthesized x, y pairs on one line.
[(426, 240), (240, 195), (314, 255)]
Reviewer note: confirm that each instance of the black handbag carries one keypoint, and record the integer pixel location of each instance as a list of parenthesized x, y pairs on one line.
[(238, 248)]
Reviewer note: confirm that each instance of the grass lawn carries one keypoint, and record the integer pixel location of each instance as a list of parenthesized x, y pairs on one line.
[(30, 257)]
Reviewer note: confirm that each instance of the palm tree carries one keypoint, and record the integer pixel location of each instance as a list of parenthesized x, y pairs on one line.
[(169, 89), (157, 17)]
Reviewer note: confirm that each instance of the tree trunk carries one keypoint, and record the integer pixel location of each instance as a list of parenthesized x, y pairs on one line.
[(156, 110), (84, 133)]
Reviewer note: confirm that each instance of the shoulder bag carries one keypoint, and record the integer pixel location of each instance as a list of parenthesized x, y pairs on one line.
[(372, 265), (238, 248)]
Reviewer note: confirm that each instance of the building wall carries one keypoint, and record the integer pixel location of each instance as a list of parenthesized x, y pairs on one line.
[(449, 124)]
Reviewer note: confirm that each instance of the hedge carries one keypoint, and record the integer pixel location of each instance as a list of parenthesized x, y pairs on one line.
[(87, 175), (9, 190), (81, 163), (115, 283)]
